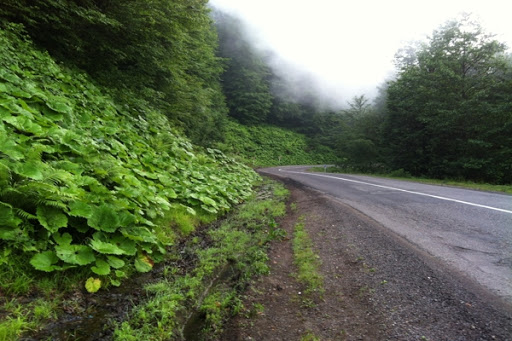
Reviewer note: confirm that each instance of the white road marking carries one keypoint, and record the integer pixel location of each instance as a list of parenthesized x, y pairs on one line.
[(400, 190)]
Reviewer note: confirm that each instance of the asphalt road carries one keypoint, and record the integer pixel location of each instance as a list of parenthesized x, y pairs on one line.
[(469, 231)]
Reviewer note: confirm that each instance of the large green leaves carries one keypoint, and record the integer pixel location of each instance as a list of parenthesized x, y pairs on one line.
[(113, 245), (104, 218), (80, 209), (87, 183), (51, 218), (75, 254), (92, 285), (7, 216), (143, 263), (30, 169), (9, 223), (101, 268), (10, 147), (45, 261)]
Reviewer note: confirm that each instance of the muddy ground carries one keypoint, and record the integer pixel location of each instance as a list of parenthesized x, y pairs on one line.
[(377, 285)]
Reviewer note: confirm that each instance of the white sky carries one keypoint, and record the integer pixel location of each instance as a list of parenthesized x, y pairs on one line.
[(350, 45)]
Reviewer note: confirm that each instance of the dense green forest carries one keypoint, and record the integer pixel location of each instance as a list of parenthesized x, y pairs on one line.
[(127, 125), (446, 114), (158, 54), (449, 111), (85, 183)]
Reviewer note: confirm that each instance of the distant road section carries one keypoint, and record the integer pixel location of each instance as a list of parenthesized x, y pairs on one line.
[(470, 231)]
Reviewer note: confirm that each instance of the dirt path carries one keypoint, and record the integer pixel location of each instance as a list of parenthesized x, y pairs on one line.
[(377, 287)]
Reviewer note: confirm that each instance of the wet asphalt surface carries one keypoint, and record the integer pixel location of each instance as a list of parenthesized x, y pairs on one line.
[(468, 231)]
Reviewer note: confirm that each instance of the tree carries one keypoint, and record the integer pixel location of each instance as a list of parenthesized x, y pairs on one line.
[(358, 139), (440, 107)]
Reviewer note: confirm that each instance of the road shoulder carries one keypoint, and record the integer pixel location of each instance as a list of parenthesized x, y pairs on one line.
[(376, 287)]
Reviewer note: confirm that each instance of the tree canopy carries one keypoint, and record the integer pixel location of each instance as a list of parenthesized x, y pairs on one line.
[(449, 111)]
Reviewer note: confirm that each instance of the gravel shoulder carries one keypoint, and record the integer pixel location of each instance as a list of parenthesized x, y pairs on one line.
[(378, 286)]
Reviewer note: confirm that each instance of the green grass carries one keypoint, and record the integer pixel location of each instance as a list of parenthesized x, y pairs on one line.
[(236, 247), (23, 317), (32, 299), (309, 336), (11, 328), (442, 182), (307, 262)]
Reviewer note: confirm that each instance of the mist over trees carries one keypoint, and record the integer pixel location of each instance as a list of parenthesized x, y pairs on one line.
[(258, 93), (255, 93), (446, 114), (245, 80)]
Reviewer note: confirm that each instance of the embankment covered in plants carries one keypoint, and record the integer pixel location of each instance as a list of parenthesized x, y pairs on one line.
[(266, 145), (86, 183)]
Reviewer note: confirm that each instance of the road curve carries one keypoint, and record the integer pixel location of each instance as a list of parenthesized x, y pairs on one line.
[(469, 231)]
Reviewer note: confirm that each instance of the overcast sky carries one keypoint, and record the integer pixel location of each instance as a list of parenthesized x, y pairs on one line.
[(350, 45)]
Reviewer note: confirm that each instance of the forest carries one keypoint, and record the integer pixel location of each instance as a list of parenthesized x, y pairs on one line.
[(125, 126), (446, 114)]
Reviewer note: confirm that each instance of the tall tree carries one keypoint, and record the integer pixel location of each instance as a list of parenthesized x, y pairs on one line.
[(441, 106), (358, 144)]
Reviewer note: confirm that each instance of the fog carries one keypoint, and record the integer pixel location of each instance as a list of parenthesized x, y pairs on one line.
[(347, 49)]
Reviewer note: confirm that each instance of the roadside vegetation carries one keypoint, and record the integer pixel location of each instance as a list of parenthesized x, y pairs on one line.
[(266, 146), (193, 290), (402, 175), (307, 262), (226, 258), (89, 187)]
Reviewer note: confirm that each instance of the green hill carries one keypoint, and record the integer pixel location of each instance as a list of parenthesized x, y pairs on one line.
[(266, 145)]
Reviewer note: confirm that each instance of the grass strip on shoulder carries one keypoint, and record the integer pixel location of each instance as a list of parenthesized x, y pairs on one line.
[(307, 262)]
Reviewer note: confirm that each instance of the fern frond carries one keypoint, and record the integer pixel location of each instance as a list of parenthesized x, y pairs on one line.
[(35, 152), (24, 214), (51, 203), (10, 194), (65, 197), (37, 189), (58, 177)]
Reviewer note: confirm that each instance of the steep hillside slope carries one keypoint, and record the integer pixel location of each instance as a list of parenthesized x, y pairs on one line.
[(266, 145), (88, 183)]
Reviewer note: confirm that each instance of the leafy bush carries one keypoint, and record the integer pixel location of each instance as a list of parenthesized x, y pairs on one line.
[(83, 183)]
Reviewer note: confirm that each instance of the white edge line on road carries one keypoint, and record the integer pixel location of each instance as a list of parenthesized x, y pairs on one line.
[(400, 190)]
